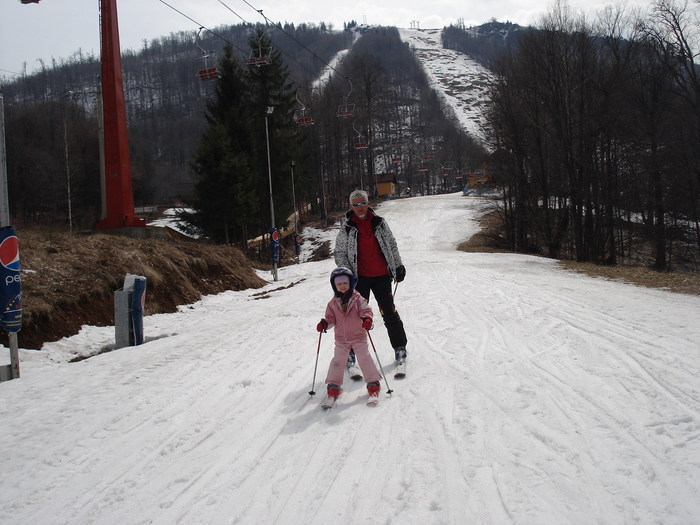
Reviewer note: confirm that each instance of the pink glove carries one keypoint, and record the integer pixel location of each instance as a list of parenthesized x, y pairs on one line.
[(367, 323), (322, 325)]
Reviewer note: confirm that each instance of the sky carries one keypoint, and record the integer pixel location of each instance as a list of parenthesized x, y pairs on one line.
[(533, 395), (59, 28)]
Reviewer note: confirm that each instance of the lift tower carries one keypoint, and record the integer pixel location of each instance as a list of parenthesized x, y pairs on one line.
[(117, 191)]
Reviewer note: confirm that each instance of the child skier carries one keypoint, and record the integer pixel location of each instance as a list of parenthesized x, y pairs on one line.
[(351, 316)]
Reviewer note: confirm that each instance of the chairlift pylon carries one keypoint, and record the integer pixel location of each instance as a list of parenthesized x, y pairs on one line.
[(208, 73)]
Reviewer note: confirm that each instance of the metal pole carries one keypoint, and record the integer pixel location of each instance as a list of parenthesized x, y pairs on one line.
[(5, 221), (4, 206), (269, 111), (294, 199), (296, 213), (67, 161), (324, 214)]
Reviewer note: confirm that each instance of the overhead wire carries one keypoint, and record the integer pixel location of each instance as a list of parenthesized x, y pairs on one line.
[(243, 51), (276, 26), (203, 26), (279, 26)]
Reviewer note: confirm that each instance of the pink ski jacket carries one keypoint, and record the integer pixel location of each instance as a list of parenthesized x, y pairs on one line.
[(348, 324)]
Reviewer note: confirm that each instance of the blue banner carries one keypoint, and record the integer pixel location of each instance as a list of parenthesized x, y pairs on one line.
[(11, 293), (138, 301)]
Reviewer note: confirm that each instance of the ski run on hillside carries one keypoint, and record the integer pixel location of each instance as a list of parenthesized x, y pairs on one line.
[(534, 395)]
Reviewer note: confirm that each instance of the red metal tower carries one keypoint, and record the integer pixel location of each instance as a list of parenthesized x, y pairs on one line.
[(118, 198)]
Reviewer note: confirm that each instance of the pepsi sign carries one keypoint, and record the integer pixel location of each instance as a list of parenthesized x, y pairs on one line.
[(11, 281), (274, 245)]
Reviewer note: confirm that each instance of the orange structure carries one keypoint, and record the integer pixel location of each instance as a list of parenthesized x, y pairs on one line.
[(118, 198)]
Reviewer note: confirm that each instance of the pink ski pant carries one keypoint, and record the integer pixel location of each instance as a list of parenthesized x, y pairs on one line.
[(336, 370)]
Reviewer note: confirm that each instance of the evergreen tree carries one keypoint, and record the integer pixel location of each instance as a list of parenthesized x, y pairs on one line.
[(272, 98), (232, 196), (224, 203)]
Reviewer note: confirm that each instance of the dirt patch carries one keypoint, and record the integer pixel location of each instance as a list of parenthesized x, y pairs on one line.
[(491, 239), (69, 280), (678, 282)]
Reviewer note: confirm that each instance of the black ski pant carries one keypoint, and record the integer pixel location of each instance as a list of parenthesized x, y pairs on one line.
[(381, 289)]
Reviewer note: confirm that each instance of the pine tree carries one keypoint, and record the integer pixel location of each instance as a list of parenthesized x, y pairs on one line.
[(232, 196), (269, 87), (224, 201)]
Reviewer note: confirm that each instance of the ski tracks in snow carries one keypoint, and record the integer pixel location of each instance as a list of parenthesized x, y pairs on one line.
[(533, 395)]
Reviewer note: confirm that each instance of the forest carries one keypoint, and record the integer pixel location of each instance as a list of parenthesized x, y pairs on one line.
[(593, 130), (52, 127), (595, 135)]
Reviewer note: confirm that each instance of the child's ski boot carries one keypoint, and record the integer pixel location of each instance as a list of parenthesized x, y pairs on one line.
[(373, 391), (332, 393)]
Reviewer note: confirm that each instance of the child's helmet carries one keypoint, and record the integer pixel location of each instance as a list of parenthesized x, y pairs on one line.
[(341, 270)]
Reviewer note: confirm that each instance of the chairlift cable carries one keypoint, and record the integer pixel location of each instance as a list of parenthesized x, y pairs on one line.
[(239, 16), (279, 26), (203, 26), (268, 21)]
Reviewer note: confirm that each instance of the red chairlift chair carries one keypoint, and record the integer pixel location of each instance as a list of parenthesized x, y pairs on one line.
[(208, 73)]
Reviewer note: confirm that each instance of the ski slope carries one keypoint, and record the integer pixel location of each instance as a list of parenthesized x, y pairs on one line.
[(460, 81), (534, 395)]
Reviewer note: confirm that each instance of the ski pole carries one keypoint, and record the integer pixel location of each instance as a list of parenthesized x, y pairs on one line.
[(311, 392), (388, 390), (395, 287)]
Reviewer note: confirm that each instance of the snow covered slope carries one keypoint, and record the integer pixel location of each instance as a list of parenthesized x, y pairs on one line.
[(461, 81), (534, 395)]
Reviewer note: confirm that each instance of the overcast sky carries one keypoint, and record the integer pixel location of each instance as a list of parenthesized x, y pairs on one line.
[(59, 28)]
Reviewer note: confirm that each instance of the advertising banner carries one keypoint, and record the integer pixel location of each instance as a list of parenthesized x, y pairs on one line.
[(138, 302), (11, 293), (274, 245)]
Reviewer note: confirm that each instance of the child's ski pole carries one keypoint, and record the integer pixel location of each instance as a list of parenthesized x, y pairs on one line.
[(395, 287), (388, 390), (311, 392)]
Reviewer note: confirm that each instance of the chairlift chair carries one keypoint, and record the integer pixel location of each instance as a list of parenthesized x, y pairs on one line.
[(260, 56), (302, 116), (345, 109), (358, 144), (208, 73)]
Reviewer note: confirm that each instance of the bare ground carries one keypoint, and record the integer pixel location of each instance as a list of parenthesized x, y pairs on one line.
[(69, 280), (489, 239)]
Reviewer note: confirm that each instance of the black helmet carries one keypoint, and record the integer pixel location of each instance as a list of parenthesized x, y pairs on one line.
[(341, 270)]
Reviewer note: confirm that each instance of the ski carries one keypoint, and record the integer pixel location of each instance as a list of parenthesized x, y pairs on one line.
[(355, 372), (400, 371), (373, 401), (328, 402)]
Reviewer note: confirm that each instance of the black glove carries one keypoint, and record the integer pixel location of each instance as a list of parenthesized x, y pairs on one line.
[(322, 325), (400, 273)]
